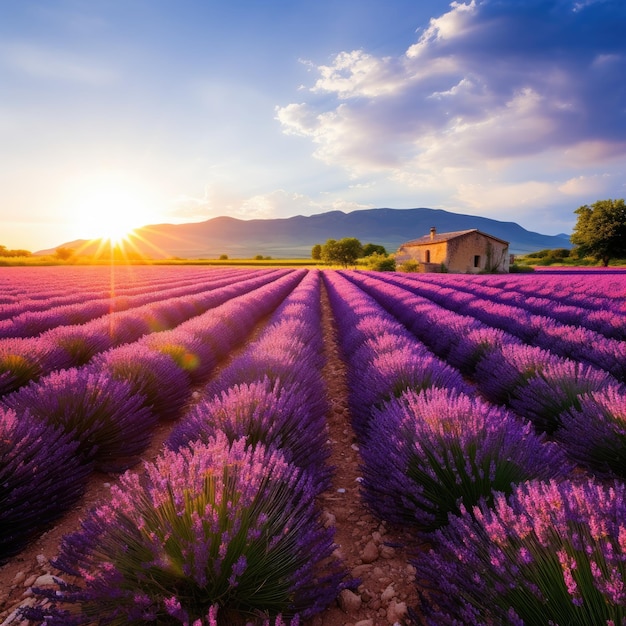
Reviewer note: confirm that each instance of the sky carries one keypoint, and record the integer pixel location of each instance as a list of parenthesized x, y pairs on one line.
[(121, 113)]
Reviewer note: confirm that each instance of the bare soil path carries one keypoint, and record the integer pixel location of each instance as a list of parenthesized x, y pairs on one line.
[(369, 548)]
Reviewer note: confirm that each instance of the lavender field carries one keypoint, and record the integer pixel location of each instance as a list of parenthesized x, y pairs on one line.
[(489, 413)]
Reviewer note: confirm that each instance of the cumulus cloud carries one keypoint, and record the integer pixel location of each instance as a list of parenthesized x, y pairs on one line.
[(491, 85)]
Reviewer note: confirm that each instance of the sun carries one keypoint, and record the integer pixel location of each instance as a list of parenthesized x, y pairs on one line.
[(109, 207)]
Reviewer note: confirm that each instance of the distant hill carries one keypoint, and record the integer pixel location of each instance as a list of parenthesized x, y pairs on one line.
[(294, 237)]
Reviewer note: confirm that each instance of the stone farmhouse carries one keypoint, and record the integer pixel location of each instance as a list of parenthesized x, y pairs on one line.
[(462, 251)]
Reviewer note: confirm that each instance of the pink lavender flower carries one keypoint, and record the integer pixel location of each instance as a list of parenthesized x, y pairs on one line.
[(213, 526), (537, 558), (25, 360), (594, 433), (151, 374), (267, 412), (428, 453), (556, 387)]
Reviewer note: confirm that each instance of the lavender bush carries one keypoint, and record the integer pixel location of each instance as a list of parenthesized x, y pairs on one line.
[(552, 553), (151, 374), (266, 412), (432, 452), (389, 375), (79, 343), (23, 360), (40, 478), (191, 354), (557, 386), (214, 528), (594, 434), (503, 369), (110, 422)]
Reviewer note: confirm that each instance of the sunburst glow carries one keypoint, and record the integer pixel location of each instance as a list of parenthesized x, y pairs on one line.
[(110, 207)]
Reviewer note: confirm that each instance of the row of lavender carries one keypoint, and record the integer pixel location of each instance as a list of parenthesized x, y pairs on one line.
[(578, 404), (520, 535), (22, 290), (101, 415), (29, 323), (73, 344), (226, 522), (576, 339)]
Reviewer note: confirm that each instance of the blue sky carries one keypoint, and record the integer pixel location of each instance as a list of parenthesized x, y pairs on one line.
[(148, 111)]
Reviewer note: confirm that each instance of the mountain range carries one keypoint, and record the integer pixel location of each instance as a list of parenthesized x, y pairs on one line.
[(293, 237)]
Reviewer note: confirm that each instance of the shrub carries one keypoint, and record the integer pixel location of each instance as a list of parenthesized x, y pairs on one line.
[(210, 527), (409, 267), (79, 343), (556, 387), (389, 375), (191, 354), (41, 477), (151, 374), (553, 553), (594, 434), (429, 453), (110, 422), (23, 360), (378, 262), (264, 412)]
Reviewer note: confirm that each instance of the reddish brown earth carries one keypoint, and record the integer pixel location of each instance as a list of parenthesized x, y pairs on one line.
[(368, 547)]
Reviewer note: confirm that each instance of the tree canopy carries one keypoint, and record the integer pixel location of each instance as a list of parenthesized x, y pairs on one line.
[(600, 231), (6, 252), (372, 248), (343, 252), (316, 252)]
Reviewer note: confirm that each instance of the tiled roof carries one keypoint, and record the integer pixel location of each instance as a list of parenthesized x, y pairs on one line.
[(441, 237)]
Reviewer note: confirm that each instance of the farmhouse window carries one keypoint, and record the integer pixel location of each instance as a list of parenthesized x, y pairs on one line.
[(477, 260), (427, 256)]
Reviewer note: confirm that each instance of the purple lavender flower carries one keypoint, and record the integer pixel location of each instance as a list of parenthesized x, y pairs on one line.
[(594, 434), (110, 422), (427, 453), (267, 412), (276, 366), (151, 374), (392, 373), (25, 360), (553, 553), (558, 386), (471, 346), (212, 526), (41, 477), (79, 343), (194, 356), (503, 369)]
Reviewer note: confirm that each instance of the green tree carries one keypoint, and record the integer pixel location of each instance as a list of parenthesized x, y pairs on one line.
[(600, 231), (343, 252), (372, 248), (378, 262), (316, 252)]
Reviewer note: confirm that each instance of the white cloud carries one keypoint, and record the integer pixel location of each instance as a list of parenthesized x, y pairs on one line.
[(496, 104), (586, 186), (357, 73), (448, 26)]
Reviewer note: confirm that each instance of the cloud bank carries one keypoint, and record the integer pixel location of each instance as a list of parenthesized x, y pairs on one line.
[(496, 103)]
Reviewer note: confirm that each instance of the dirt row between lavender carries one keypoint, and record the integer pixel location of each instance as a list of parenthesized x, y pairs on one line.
[(372, 552)]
